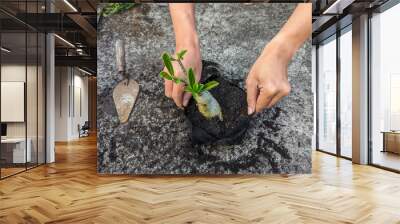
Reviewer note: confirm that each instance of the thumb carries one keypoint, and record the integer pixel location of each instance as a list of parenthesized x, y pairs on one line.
[(252, 93)]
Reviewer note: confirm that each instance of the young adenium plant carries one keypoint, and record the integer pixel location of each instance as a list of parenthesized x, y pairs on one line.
[(206, 103)]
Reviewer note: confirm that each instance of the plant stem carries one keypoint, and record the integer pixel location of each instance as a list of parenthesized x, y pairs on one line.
[(184, 81), (182, 67)]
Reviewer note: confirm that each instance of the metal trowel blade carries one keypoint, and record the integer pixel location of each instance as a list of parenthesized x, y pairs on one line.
[(125, 94)]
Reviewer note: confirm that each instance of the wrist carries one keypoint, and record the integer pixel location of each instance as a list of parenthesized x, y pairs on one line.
[(280, 48), (189, 41)]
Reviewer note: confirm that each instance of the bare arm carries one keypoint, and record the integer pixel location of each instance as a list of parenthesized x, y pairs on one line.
[(296, 30), (267, 81), (183, 21)]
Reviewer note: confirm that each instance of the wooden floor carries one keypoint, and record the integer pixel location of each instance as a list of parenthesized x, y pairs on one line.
[(5, 172), (70, 191), (8, 171), (387, 159)]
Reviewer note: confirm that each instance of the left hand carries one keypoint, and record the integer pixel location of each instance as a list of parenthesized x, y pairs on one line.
[(192, 60)]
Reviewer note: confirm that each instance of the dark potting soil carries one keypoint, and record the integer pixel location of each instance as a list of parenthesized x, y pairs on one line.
[(232, 100)]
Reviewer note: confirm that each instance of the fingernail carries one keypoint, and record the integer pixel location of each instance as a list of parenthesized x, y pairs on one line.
[(250, 110)]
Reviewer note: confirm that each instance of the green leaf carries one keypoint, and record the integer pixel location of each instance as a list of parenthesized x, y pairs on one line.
[(165, 75), (192, 79), (167, 62), (194, 87), (188, 89), (177, 80), (181, 54), (113, 8), (210, 85), (197, 87), (201, 88)]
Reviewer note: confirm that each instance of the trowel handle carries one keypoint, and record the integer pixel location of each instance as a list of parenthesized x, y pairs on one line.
[(120, 55)]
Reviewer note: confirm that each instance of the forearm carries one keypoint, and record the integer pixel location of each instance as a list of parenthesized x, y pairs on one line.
[(295, 31), (183, 21)]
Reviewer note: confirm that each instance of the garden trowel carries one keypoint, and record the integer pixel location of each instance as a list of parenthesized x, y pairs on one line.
[(126, 91)]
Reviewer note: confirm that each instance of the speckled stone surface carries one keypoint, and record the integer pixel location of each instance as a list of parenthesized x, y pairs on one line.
[(155, 140)]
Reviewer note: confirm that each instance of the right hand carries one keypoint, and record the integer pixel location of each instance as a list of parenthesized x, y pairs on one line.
[(267, 81), (192, 59)]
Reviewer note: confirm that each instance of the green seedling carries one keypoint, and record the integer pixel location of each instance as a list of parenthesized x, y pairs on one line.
[(114, 8), (207, 105)]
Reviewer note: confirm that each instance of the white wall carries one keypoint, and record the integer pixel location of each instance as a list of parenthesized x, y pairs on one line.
[(10, 73), (81, 85), (70, 83), (33, 126), (14, 72), (61, 103), (12, 101), (17, 73)]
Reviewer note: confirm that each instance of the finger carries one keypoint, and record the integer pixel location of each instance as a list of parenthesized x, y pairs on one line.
[(177, 94), (168, 84), (264, 99), (252, 93), (198, 73), (186, 98), (275, 100), (282, 93)]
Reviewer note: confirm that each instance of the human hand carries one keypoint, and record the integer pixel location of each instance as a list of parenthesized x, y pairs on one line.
[(267, 82), (192, 60), (183, 21)]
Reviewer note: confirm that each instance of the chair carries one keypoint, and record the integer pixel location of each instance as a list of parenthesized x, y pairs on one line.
[(84, 130)]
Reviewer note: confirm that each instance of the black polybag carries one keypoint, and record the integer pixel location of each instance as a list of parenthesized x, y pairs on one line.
[(232, 100)]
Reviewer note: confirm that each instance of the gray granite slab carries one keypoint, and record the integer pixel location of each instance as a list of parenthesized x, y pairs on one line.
[(155, 140)]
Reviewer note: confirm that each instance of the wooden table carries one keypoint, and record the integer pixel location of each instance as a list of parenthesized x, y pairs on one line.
[(391, 141), (13, 150)]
